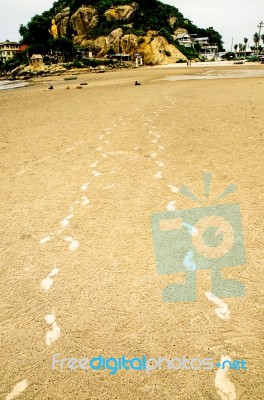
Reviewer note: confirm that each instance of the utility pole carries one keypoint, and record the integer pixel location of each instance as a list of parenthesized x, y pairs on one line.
[(260, 25)]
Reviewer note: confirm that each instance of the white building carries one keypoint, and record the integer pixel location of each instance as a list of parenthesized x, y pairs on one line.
[(8, 50), (185, 40), (207, 51)]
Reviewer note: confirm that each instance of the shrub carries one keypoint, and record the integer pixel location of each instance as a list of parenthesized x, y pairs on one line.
[(77, 64), (141, 40), (11, 64), (167, 53)]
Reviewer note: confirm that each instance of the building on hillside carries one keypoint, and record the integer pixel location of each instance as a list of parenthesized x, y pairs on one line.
[(207, 51), (185, 40), (36, 60), (202, 41), (8, 50)]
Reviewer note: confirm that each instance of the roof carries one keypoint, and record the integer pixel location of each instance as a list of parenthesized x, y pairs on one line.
[(201, 38), (181, 35), (23, 47), (8, 42), (36, 56)]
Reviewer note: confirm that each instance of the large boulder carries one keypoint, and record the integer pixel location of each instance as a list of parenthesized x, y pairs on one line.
[(180, 31), (157, 50), (118, 13), (82, 22), (62, 21), (129, 43), (113, 40)]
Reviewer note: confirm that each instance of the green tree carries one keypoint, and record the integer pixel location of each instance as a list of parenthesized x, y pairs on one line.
[(37, 30), (235, 48), (240, 48), (256, 39), (245, 43), (11, 64)]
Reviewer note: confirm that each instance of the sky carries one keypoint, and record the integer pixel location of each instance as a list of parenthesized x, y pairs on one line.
[(235, 19)]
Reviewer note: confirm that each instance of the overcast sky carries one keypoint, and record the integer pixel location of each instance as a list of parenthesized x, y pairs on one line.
[(232, 18)]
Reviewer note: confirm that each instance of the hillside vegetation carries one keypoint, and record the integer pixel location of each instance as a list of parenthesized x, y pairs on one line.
[(148, 15)]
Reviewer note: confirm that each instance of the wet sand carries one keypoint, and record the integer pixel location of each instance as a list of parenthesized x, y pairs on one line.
[(81, 173)]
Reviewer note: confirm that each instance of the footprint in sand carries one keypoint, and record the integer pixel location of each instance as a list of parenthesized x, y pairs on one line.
[(171, 206), (174, 189), (18, 389), (85, 186), (96, 173), (66, 221), (74, 244), (158, 175), (222, 311), (225, 388), (85, 201), (48, 282), (190, 229), (55, 332), (45, 240)]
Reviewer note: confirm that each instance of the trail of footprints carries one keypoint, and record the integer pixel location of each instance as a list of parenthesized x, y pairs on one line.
[(54, 332), (223, 385), (225, 388)]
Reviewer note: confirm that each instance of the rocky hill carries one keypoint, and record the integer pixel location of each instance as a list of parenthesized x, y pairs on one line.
[(119, 26)]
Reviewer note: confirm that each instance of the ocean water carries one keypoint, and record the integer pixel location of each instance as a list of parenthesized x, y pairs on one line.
[(7, 85)]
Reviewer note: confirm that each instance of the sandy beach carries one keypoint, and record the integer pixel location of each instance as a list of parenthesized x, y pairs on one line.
[(82, 171)]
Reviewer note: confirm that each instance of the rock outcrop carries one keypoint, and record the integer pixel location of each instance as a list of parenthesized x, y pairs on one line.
[(79, 26), (172, 21), (121, 13), (62, 20), (157, 50), (179, 31), (82, 22)]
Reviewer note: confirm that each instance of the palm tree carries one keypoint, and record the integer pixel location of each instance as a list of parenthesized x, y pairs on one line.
[(262, 37), (244, 50), (235, 48), (245, 41), (256, 39), (240, 46)]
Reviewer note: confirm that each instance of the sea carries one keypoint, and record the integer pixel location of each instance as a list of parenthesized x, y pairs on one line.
[(7, 85)]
